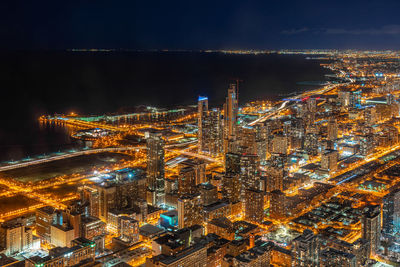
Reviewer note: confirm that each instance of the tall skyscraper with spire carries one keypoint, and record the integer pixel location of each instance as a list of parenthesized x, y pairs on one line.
[(230, 116)]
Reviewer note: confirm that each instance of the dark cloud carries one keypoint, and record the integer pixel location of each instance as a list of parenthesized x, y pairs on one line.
[(393, 29), (384, 30), (179, 24), (295, 31)]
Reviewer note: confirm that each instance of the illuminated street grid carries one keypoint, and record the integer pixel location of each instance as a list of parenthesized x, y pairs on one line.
[(252, 178)]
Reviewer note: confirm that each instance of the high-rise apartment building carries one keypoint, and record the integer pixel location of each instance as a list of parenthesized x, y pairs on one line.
[(187, 181), (128, 229), (232, 163), (231, 187), (90, 196), (190, 210), (254, 205), (277, 204), (329, 160), (391, 215), (15, 237), (120, 191), (249, 173), (280, 144), (199, 168), (209, 193), (332, 133), (201, 115), (306, 249), (45, 217), (155, 168), (212, 133), (371, 227), (230, 116)]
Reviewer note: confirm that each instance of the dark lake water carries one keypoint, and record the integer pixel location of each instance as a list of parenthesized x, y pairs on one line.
[(48, 82)]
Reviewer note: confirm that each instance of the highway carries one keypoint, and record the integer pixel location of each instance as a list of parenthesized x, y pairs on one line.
[(65, 156), (101, 150), (287, 103)]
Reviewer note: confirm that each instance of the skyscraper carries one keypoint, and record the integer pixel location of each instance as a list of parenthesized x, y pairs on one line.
[(280, 144), (119, 192), (254, 205), (332, 129), (312, 105), (202, 114), (344, 97), (391, 215), (44, 219), (128, 229), (90, 196), (212, 132), (277, 204), (371, 226), (209, 193), (261, 142), (230, 115), (232, 163), (231, 187), (306, 249), (247, 140), (329, 160), (275, 171), (155, 168), (249, 173), (187, 181), (199, 168), (190, 210), (15, 237), (311, 144)]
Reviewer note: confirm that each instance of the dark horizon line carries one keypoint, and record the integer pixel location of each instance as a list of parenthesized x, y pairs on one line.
[(207, 50)]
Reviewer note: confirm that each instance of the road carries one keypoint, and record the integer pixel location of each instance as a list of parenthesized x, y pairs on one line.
[(92, 151)]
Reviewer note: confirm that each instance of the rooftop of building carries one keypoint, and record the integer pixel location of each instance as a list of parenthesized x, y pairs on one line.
[(307, 235), (150, 230), (90, 219), (255, 252), (330, 253), (170, 213), (192, 162), (372, 211), (64, 227), (170, 240), (184, 253), (215, 206), (47, 210), (222, 222), (127, 218), (282, 250), (122, 176), (60, 251), (189, 197), (244, 227), (207, 186), (128, 210), (8, 261)]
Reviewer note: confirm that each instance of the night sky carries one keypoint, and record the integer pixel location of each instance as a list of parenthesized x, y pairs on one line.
[(189, 24)]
